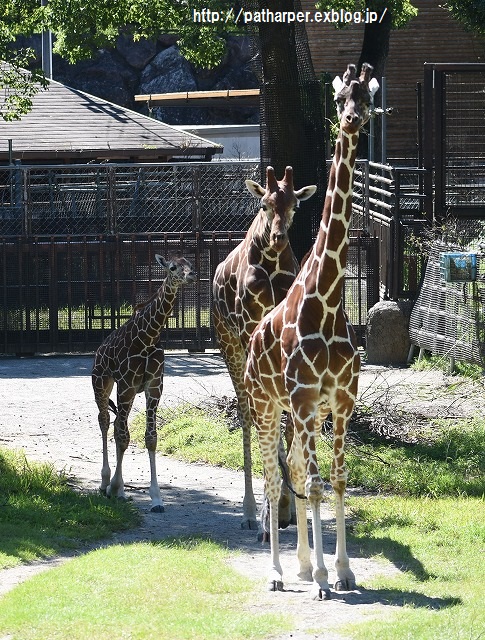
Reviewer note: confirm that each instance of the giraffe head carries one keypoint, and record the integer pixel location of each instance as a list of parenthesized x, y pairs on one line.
[(278, 203), (354, 97), (178, 268)]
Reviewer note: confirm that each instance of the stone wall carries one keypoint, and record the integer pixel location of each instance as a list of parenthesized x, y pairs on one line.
[(130, 68)]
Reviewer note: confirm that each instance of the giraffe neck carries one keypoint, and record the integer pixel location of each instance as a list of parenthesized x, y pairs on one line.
[(152, 317), (331, 246)]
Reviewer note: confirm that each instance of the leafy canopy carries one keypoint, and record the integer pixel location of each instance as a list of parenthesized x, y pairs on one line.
[(80, 28), (471, 13)]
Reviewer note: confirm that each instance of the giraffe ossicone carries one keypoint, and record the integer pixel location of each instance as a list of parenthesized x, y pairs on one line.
[(133, 358), (303, 358), (254, 278)]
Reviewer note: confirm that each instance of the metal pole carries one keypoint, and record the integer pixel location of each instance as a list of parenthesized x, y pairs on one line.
[(383, 122), (371, 140), (46, 48)]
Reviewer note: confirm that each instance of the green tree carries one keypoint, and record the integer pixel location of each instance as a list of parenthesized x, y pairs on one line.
[(80, 28), (471, 13), (17, 84)]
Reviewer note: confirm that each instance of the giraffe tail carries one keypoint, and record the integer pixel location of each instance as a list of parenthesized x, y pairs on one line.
[(286, 477), (113, 407)]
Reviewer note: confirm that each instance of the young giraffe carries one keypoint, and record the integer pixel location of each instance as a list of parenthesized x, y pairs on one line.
[(303, 358), (254, 278), (132, 357)]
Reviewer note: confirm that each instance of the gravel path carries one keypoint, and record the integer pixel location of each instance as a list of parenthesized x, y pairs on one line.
[(48, 410)]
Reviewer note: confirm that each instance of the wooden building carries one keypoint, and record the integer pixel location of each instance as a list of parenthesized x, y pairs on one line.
[(432, 36), (70, 126)]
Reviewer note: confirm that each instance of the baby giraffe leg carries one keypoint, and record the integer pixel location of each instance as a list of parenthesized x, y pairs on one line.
[(102, 389), (116, 488), (151, 445)]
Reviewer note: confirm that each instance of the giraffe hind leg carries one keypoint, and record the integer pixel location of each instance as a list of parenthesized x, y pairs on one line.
[(102, 386), (116, 487)]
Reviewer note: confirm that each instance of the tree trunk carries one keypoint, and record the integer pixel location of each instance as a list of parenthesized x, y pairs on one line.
[(292, 124)]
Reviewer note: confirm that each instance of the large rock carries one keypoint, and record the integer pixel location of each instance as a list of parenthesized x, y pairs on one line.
[(167, 72), (137, 54), (105, 76), (387, 333)]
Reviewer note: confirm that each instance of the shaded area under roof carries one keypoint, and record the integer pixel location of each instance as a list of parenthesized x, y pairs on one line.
[(68, 124)]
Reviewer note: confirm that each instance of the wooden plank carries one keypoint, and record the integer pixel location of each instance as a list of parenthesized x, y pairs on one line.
[(198, 95)]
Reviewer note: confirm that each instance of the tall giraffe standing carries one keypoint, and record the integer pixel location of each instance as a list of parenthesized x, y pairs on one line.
[(132, 357), (254, 278), (303, 358)]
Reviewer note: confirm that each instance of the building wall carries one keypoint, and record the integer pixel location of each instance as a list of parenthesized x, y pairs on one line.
[(433, 36), (240, 141)]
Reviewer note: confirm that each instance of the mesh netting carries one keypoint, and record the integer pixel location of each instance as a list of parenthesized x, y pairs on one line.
[(126, 198), (291, 114), (448, 317)]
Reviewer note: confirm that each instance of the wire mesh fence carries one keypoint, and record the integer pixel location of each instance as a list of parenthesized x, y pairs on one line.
[(104, 199), (448, 317)]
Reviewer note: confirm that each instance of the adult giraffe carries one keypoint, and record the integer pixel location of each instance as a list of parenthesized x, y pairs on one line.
[(303, 358), (133, 357), (254, 278)]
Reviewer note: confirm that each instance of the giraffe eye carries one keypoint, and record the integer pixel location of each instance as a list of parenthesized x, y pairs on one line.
[(173, 267), (264, 206)]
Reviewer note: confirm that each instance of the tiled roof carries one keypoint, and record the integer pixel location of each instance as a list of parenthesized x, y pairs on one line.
[(67, 123)]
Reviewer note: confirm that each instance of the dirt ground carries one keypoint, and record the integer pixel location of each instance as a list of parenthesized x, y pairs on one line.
[(49, 411)]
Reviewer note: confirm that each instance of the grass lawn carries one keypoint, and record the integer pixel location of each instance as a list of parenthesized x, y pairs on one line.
[(423, 511), (41, 516), (179, 589)]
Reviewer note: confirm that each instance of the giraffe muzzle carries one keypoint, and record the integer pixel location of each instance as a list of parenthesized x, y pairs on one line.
[(279, 241)]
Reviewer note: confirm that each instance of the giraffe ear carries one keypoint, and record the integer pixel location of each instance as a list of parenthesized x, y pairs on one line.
[(337, 84), (305, 192), (161, 261), (373, 86), (255, 189)]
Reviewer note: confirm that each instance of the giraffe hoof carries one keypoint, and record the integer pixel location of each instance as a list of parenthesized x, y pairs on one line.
[(275, 585), (318, 593), (252, 525), (158, 508), (345, 584)]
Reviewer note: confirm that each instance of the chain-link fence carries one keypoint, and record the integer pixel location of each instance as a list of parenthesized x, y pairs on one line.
[(131, 198)]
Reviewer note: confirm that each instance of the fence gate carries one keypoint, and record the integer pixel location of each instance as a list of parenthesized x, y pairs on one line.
[(454, 139)]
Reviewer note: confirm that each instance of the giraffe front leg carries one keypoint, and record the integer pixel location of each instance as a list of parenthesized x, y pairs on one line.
[(267, 422), (314, 488), (235, 359), (151, 445), (272, 493), (320, 588), (338, 478)]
